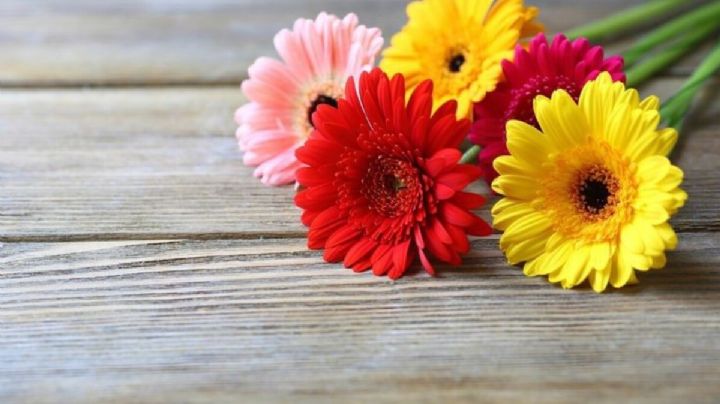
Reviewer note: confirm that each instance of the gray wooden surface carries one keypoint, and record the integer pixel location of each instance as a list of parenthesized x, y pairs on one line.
[(141, 262)]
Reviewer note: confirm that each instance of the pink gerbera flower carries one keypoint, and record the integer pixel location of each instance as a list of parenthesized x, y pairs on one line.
[(539, 70), (317, 59)]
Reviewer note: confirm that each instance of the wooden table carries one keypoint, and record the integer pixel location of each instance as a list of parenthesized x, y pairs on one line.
[(141, 262)]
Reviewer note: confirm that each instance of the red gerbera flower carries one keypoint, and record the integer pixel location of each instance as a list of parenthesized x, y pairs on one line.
[(539, 70), (383, 183)]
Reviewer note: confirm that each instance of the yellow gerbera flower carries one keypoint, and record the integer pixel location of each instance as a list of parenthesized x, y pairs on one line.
[(459, 44), (590, 194)]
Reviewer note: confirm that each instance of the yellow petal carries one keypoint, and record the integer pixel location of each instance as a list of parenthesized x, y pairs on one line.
[(561, 120), (667, 138), (658, 261), (668, 236), (571, 272), (600, 255), (650, 103), (550, 261), (599, 280), (526, 250), (525, 227), (507, 211), (621, 270), (597, 100), (511, 165), (526, 143), (653, 169), (650, 238), (516, 186), (631, 239)]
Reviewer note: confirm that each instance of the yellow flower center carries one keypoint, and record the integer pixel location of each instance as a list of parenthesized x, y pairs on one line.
[(588, 192)]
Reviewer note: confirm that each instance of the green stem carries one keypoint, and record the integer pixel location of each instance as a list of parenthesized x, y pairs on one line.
[(625, 20), (470, 156), (641, 72), (702, 16), (675, 109)]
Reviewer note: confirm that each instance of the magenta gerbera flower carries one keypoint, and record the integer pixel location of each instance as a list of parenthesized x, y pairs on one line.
[(317, 59), (540, 69)]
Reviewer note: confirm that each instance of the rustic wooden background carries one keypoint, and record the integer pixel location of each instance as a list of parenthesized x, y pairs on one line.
[(141, 262)]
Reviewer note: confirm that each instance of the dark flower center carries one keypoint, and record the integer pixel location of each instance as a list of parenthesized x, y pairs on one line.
[(456, 62), (595, 191), (594, 194), (321, 99), (391, 186)]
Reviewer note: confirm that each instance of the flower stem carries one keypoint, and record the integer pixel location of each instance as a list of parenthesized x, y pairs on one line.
[(470, 156), (675, 109), (702, 16), (625, 20), (641, 72)]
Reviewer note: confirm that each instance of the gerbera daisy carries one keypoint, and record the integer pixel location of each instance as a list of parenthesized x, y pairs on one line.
[(383, 183), (459, 44), (317, 58), (589, 195), (538, 70)]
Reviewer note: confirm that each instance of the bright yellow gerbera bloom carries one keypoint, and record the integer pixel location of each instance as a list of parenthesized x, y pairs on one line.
[(459, 44), (589, 195)]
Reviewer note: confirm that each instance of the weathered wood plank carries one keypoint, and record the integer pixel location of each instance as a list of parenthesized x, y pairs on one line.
[(205, 321), (45, 42), (137, 163)]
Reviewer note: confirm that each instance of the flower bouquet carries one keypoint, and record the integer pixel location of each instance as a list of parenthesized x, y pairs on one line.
[(473, 90)]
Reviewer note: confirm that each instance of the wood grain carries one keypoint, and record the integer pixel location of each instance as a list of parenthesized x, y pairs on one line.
[(266, 320), (163, 163), (75, 42)]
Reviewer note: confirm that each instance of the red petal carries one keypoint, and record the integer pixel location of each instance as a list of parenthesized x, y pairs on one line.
[(438, 249), (338, 132), (456, 215), (308, 216), (460, 176), (400, 260), (440, 127), (479, 228), (443, 192), (361, 250), (441, 160), (339, 243), (438, 231), (419, 240), (385, 102), (337, 253), (324, 224), (459, 239), (316, 198), (468, 200), (426, 263), (314, 176), (317, 152), (342, 236), (382, 260), (418, 131), (362, 265)]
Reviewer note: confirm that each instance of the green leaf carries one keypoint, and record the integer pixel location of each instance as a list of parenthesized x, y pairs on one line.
[(471, 155), (660, 60), (625, 20), (700, 17), (675, 109)]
